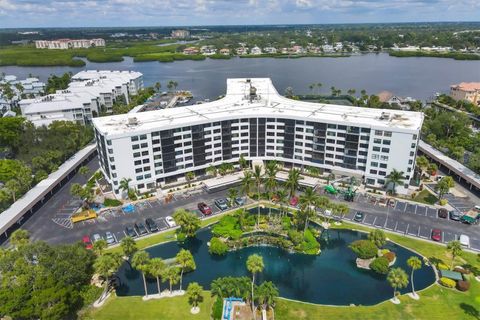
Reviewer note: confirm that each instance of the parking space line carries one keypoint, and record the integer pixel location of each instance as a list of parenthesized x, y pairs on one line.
[(416, 208), (408, 226), (418, 233)]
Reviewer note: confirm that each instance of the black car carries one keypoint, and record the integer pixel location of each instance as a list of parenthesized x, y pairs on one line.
[(140, 228), (455, 215), (358, 216), (130, 232), (151, 225), (443, 213)]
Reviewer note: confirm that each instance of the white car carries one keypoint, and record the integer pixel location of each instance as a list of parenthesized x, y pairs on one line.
[(464, 240), (171, 223), (110, 238)]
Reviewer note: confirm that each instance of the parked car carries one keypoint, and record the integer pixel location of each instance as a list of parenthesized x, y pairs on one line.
[(96, 237), (140, 228), (110, 238), (204, 208), (151, 225), (87, 242), (170, 221), (358, 216), (130, 232), (221, 204), (455, 215), (443, 213), (436, 235), (240, 201), (464, 240)]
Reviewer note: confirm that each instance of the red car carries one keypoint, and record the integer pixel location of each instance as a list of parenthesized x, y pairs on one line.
[(204, 208), (294, 201), (87, 242), (437, 235)]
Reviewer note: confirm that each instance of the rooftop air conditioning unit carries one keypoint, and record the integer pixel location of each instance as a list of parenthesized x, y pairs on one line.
[(132, 121)]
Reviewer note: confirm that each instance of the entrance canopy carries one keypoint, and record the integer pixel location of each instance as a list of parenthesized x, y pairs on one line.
[(305, 181), (220, 183)]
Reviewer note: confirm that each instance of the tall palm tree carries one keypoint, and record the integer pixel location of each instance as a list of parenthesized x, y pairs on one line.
[(308, 201), (455, 249), (254, 266), (247, 183), (395, 177), (157, 267), (282, 199), (258, 178), (185, 260), (242, 162), (14, 187), (99, 246), (84, 171), (141, 262), (189, 176), (106, 265), (271, 170), (232, 194), (414, 263), (341, 210), (172, 274), (158, 85), (398, 279), (323, 203), (319, 85), (195, 294), (188, 221), (212, 170), (129, 248), (293, 182), (267, 292)]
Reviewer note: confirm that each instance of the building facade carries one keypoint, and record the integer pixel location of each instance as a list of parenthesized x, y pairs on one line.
[(468, 91), (253, 120), (64, 44), (89, 93)]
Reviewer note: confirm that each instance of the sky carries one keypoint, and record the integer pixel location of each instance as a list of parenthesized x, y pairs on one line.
[(118, 13)]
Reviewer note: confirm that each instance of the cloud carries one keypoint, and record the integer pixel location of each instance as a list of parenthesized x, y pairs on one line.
[(37, 13)]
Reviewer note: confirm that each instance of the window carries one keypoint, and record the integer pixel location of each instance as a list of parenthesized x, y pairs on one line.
[(144, 145), (382, 173), (133, 139), (146, 161), (299, 129), (376, 149), (136, 154), (109, 142), (387, 133), (377, 140), (383, 165), (137, 162), (332, 126), (375, 156), (412, 153), (386, 142), (135, 146), (373, 171), (139, 178), (414, 137), (331, 133), (143, 137), (386, 150), (378, 132), (298, 143), (374, 164), (384, 158), (413, 145), (144, 153)]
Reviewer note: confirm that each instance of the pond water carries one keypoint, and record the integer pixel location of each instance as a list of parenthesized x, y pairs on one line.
[(415, 77), (331, 278)]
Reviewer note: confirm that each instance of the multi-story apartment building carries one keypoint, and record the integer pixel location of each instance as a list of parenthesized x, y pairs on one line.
[(153, 148), (64, 44), (88, 94), (468, 91)]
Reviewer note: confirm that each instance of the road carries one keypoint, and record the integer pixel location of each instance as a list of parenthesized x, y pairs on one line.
[(51, 223)]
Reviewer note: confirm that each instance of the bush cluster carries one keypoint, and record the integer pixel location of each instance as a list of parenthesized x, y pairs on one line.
[(112, 203), (380, 265), (390, 256), (364, 249), (217, 247), (449, 283)]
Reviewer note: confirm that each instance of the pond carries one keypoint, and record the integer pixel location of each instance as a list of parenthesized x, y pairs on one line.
[(330, 278)]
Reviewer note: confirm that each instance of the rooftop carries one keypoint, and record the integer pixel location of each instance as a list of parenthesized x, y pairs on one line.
[(467, 86), (266, 103)]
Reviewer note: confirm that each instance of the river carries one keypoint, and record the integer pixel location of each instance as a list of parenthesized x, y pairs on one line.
[(416, 77)]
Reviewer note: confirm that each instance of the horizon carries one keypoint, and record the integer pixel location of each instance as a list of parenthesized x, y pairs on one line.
[(143, 13)]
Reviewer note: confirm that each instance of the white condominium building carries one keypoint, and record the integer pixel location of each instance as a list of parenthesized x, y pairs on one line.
[(157, 147), (64, 44), (89, 93)]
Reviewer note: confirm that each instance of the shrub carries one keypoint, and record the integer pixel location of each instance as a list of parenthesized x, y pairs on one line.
[(181, 236), (310, 245), (217, 309), (378, 237), (390, 256), (449, 283), (463, 285), (112, 203), (364, 249), (443, 202), (295, 236), (442, 266), (383, 251), (380, 265), (217, 247), (228, 227)]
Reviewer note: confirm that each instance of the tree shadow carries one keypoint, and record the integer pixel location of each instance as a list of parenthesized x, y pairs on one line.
[(470, 310)]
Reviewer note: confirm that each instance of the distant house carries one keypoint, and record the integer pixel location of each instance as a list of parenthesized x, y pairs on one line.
[(391, 99), (191, 51), (297, 50), (468, 91), (241, 51), (270, 50), (225, 51), (208, 50), (256, 50), (327, 48)]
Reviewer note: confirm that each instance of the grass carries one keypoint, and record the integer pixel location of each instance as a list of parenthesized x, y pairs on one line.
[(125, 308), (425, 197)]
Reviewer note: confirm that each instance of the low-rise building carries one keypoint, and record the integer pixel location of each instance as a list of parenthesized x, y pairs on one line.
[(208, 50), (391, 99), (225, 51), (271, 50), (90, 93), (180, 34), (191, 51), (242, 51), (468, 91), (64, 44), (256, 50), (18, 89)]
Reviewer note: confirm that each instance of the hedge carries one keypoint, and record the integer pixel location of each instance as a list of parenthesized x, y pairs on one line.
[(449, 283)]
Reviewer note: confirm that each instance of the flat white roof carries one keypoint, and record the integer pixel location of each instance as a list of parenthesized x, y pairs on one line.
[(269, 103)]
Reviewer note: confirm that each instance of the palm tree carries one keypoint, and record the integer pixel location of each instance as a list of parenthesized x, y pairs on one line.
[(351, 92), (267, 292), (232, 195), (395, 177), (415, 263), (254, 266), (333, 90), (211, 170), (172, 274), (313, 171), (106, 265), (319, 85), (185, 260), (158, 85), (330, 177), (308, 202), (312, 86), (455, 249), (398, 279), (188, 221), (14, 187), (258, 178), (246, 183), (341, 210), (84, 171), (281, 198), (19, 237), (271, 170), (323, 203), (129, 248), (242, 162), (293, 181), (289, 92), (195, 295), (156, 269), (99, 246), (141, 262), (189, 176), (124, 184)]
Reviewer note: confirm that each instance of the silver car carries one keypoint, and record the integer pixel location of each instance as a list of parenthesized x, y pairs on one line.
[(110, 238), (96, 237)]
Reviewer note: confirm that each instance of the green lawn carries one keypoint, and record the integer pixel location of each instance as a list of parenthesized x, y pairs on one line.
[(425, 197), (134, 308)]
